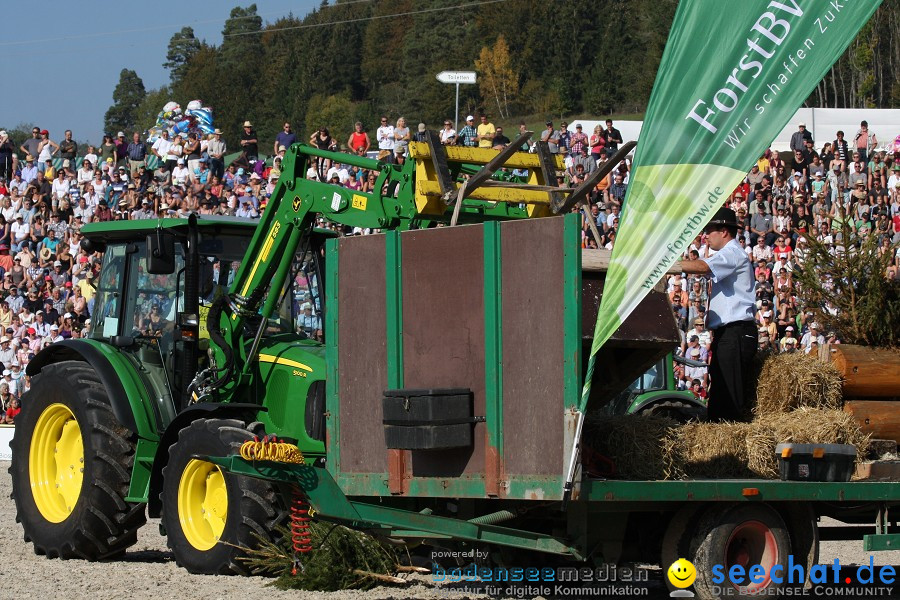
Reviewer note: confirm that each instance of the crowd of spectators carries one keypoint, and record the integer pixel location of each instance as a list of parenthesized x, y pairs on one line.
[(782, 204), (48, 191)]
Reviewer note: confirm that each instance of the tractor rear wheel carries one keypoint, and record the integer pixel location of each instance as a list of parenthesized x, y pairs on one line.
[(211, 517), (71, 467)]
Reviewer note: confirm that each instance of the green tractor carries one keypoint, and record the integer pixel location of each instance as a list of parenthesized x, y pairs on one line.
[(655, 393), (206, 333)]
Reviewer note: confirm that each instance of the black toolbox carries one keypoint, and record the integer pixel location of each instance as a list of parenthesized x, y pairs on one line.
[(816, 462), (428, 419)]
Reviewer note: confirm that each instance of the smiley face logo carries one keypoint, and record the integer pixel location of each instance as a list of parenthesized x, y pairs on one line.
[(682, 573)]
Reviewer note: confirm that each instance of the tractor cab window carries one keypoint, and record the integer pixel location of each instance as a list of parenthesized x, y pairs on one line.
[(106, 311)]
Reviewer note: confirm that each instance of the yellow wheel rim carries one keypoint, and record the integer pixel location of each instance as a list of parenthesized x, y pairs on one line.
[(56, 463), (202, 503)]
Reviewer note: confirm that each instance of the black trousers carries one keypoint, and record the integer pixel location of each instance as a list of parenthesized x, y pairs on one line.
[(732, 389)]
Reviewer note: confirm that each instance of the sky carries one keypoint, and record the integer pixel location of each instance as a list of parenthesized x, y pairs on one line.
[(64, 58)]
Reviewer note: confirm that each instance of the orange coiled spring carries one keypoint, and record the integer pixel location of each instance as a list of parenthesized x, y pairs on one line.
[(270, 448), (301, 536)]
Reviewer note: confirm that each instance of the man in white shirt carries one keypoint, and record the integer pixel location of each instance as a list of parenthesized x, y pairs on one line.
[(20, 232), (385, 135), (161, 146)]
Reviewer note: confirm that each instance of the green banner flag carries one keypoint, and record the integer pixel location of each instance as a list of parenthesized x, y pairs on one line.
[(731, 76)]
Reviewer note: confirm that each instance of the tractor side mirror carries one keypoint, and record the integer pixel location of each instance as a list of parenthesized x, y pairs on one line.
[(160, 253)]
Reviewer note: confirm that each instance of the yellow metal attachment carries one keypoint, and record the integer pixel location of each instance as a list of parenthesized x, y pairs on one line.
[(56, 463)]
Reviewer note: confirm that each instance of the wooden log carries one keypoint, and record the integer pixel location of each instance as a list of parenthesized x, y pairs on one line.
[(867, 372), (880, 418), (597, 259)]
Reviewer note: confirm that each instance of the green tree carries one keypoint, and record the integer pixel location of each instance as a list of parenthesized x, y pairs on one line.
[(498, 81), (150, 106), (127, 97), (336, 112), (182, 47)]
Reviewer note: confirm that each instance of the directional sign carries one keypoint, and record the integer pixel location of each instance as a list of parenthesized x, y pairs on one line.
[(456, 77)]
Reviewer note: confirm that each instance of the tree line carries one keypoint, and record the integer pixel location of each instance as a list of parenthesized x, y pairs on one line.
[(354, 61)]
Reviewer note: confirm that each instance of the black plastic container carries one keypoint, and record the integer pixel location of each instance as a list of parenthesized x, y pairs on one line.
[(428, 419), (816, 462)]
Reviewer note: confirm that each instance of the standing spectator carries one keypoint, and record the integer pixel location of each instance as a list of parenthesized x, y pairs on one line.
[(385, 136), (486, 132), (7, 156), (865, 142), (800, 137), (286, 137), (597, 143), (68, 149), (192, 154), (249, 143), (121, 144), (161, 146), (401, 136), (421, 135), (448, 134), (579, 140), (551, 136), (46, 147), (500, 140), (176, 151), (31, 146), (358, 142), (137, 155), (468, 134), (613, 138), (216, 150), (565, 137)]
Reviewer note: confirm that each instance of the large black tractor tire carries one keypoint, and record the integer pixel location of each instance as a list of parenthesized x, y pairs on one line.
[(744, 534), (71, 467), (677, 538), (211, 517)]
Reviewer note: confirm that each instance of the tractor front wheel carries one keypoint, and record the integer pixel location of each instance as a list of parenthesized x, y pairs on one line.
[(212, 517)]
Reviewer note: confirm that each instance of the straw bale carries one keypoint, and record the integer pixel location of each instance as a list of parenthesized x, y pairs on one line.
[(708, 450), (633, 442), (817, 426), (795, 380)]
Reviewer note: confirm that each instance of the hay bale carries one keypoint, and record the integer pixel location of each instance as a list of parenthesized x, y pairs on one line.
[(708, 450), (795, 380), (633, 442), (817, 426)]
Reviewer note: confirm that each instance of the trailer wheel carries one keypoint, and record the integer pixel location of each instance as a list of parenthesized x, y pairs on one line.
[(71, 467), (676, 541), (739, 534), (211, 517)]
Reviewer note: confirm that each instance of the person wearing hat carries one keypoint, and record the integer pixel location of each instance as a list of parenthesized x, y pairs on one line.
[(814, 335), (249, 142), (180, 173), (731, 317), (551, 136), (468, 135), (216, 149), (799, 138), (7, 352), (136, 153)]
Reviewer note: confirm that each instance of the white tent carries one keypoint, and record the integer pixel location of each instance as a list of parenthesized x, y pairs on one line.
[(823, 123)]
